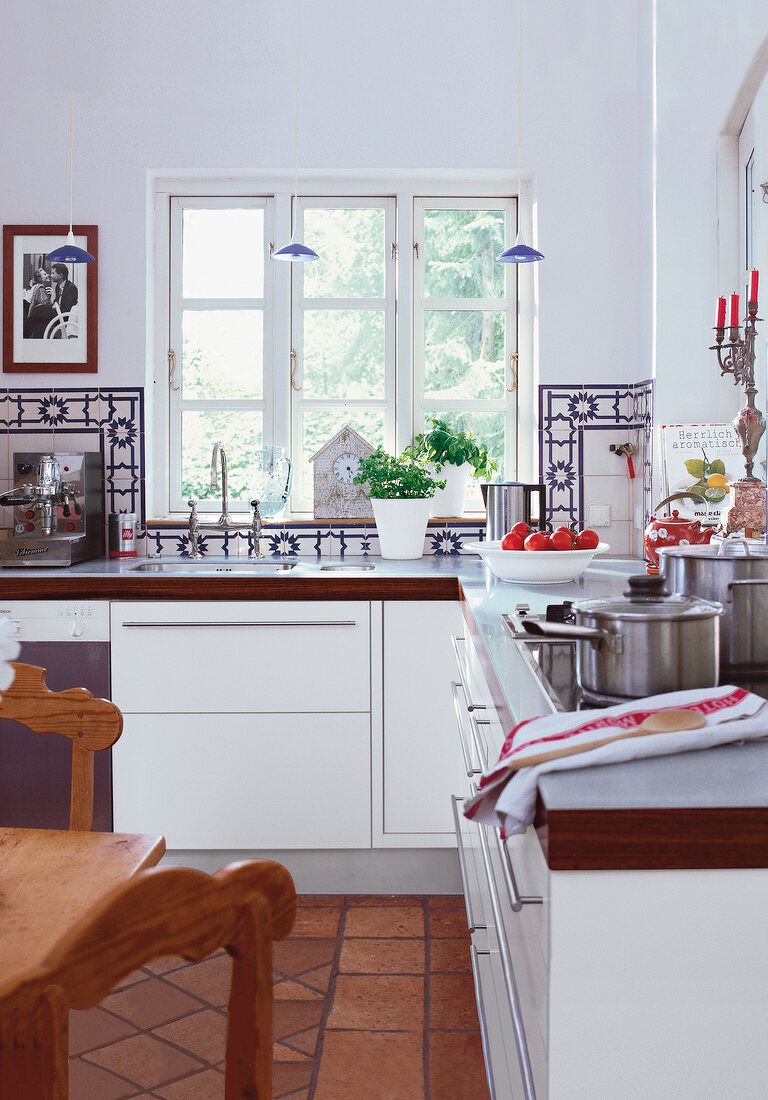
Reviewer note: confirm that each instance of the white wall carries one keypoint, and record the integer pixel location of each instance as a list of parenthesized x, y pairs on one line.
[(190, 84), (705, 49)]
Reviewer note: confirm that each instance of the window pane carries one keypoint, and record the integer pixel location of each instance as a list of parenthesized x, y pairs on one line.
[(241, 433), (460, 250), (343, 353), (223, 254), (222, 354), (350, 244), (463, 353), (320, 425)]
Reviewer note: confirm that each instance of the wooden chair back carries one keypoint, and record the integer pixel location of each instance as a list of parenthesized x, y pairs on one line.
[(90, 724), (178, 911)]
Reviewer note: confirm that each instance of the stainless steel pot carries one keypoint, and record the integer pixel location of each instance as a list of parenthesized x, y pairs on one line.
[(509, 502), (642, 643), (736, 575)]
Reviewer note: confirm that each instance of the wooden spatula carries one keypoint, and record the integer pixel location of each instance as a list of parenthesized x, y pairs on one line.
[(663, 721)]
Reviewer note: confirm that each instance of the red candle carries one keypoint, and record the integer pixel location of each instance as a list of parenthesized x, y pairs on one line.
[(720, 323), (753, 277), (734, 315)]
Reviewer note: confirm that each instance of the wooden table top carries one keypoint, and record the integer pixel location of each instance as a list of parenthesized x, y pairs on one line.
[(49, 878)]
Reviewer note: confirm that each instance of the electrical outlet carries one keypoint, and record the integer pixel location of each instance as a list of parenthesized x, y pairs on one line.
[(598, 515)]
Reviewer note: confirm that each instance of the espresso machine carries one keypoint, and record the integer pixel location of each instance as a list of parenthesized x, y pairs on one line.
[(58, 509)]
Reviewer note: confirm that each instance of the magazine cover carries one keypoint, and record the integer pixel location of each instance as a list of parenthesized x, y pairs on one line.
[(701, 459)]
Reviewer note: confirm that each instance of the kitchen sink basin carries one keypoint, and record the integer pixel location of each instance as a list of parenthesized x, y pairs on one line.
[(202, 568), (348, 567)]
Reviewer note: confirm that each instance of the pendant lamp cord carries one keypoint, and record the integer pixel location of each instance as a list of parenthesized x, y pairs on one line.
[(296, 123), (519, 109), (70, 162)]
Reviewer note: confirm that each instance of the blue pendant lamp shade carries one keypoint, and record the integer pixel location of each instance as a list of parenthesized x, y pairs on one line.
[(69, 253), (295, 252), (519, 253)]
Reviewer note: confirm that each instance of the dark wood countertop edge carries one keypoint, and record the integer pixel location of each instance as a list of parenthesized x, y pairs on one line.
[(116, 586)]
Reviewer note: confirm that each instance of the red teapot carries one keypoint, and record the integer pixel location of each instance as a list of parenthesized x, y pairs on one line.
[(672, 531)]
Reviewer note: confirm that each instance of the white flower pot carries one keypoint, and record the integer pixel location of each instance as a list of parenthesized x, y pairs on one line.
[(401, 525), (450, 500)]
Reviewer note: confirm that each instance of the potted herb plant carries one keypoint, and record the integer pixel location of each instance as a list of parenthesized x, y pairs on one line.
[(456, 455), (401, 491)]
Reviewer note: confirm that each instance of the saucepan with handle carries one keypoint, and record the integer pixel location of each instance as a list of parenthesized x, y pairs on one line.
[(642, 643)]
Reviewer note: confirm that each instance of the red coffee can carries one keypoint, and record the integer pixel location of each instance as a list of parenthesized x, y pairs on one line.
[(122, 535)]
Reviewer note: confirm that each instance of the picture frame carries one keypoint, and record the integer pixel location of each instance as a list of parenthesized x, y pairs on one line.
[(50, 319)]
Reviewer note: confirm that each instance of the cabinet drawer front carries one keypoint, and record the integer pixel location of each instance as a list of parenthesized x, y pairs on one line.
[(234, 657), (245, 781)]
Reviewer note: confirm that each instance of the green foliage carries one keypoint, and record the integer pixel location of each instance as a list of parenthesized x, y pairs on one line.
[(445, 444), (388, 477)]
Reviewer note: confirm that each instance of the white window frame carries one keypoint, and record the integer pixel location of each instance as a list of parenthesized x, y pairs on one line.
[(161, 187)]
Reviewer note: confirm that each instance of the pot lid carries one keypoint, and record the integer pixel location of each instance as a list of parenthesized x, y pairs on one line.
[(728, 548), (647, 598)]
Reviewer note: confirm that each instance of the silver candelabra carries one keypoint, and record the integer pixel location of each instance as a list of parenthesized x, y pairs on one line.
[(737, 357)]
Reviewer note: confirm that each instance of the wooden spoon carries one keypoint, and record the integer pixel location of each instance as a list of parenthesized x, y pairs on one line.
[(663, 721)]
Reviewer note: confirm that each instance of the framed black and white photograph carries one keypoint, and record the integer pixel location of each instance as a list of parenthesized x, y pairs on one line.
[(49, 309)]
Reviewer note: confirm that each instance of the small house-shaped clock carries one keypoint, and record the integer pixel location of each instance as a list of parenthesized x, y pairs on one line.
[(335, 466)]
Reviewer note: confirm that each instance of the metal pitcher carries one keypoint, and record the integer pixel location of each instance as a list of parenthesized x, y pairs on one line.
[(508, 502)]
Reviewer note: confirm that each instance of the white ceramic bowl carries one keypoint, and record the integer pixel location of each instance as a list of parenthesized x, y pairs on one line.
[(535, 566)]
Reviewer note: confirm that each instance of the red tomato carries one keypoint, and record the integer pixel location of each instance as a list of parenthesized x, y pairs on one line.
[(587, 539), (568, 531), (561, 539), (511, 541), (522, 529), (539, 540)]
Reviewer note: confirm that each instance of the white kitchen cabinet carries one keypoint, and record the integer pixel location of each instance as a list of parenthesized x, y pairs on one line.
[(247, 724), (245, 781), (421, 764)]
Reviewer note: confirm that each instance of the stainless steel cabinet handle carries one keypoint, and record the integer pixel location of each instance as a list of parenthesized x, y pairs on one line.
[(472, 924), (464, 672), (510, 985), (471, 769), (260, 622), (480, 747), (473, 954), (516, 899)]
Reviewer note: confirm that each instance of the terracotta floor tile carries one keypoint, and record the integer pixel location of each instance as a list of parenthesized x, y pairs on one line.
[(449, 956), (150, 1003), (305, 1041), (368, 1066), (134, 977), (204, 1034), (93, 1027), (447, 901), (374, 956), (295, 991), (378, 1003), (283, 1053), (385, 922), (145, 1060), (292, 957), (165, 963), (289, 1076), (456, 1066), (87, 1082), (444, 923), (208, 1085), (316, 921), (318, 979), (208, 980), (382, 900), (335, 900), (452, 1002), (288, 1019)]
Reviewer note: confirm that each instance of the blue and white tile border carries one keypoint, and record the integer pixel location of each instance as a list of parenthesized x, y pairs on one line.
[(565, 414)]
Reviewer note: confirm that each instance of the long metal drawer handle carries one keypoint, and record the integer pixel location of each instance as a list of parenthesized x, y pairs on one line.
[(743, 584), (259, 622), (464, 672), (473, 954), (470, 768), (480, 749), (513, 997), (516, 899), (472, 924)]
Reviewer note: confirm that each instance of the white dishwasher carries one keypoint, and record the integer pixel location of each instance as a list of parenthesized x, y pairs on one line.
[(70, 640)]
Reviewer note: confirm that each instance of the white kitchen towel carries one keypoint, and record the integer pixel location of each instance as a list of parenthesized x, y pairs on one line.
[(508, 798)]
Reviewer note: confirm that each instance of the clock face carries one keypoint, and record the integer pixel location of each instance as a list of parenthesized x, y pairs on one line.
[(345, 468)]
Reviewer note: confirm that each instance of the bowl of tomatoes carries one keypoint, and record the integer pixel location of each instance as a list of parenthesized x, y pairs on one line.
[(527, 556)]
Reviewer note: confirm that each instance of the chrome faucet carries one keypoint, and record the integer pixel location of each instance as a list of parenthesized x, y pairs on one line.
[(225, 522)]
